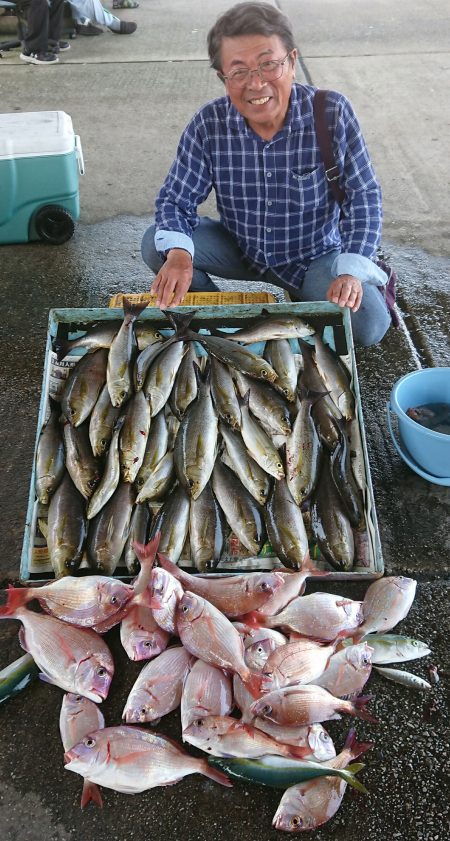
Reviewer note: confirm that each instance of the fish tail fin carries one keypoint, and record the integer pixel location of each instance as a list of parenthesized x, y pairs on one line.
[(132, 310), (357, 707), (61, 347), (167, 564), (16, 598), (356, 748), (348, 774), (90, 792), (254, 683), (146, 554), (215, 774), (180, 321)]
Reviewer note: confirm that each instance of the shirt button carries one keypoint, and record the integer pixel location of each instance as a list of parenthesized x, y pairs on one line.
[(269, 230), (269, 175), (269, 203), (269, 253)]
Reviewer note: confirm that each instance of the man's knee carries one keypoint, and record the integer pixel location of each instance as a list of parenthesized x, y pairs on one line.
[(150, 255)]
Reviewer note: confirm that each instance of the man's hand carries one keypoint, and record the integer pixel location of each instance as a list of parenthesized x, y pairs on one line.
[(346, 291), (174, 279)]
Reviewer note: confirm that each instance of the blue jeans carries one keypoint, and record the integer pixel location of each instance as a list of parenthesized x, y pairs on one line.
[(217, 253)]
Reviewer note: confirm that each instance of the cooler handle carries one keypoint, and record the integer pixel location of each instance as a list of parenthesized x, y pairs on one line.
[(79, 154)]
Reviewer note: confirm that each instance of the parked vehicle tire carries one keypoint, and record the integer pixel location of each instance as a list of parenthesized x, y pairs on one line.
[(54, 224)]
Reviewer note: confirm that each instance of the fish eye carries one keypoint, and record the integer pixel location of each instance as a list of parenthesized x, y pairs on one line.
[(143, 711), (113, 599), (101, 671), (267, 709), (90, 743), (158, 335), (72, 411), (148, 644), (185, 608), (92, 483), (123, 394), (191, 483), (103, 442), (324, 736), (279, 465), (78, 697), (415, 642), (199, 722), (296, 821), (264, 373)]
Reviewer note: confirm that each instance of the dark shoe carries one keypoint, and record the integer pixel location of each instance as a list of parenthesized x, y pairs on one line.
[(87, 29), (39, 58), (126, 28), (58, 46), (125, 4)]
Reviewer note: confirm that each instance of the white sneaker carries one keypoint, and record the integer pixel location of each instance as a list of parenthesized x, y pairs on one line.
[(39, 58)]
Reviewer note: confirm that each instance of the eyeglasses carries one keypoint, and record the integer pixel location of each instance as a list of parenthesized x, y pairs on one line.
[(267, 71)]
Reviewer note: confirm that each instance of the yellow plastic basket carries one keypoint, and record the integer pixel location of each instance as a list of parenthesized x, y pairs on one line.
[(199, 299)]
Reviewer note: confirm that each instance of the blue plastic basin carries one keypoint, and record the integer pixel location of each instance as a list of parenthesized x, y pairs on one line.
[(431, 450)]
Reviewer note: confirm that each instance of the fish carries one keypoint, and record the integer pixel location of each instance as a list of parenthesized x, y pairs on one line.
[(75, 659), (161, 375), (159, 481), (131, 760), (285, 527), (257, 653), (225, 350), (224, 736), (324, 410), (282, 773), (139, 526), (206, 530), (294, 584), (146, 334), (230, 595), (303, 453), (265, 404), (17, 676), (196, 441), (404, 678), (146, 358), (336, 377), (185, 387), (86, 601), (157, 690), (242, 512), (66, 528), (108, 530), (387, 601), (394, 648), (345, 483), (119, 373), (78, 717), (83, 386), (166, 592), (270, 326), (110, 477), (207, 691), (306, 704), (50, 459), (211, 637), (330, 524), (224, 395), (307, 805), (312, 735), (156, 447), (322, 616), (82, 465), (97, 336), (133, 437), (258, 443), (236, 456), (172, 520), (102, 422), (140, 635), (435, 416), (301, 661), (347, 671), (278, 353)]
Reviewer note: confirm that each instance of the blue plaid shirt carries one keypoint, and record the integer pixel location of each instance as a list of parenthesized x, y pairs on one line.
[(273, 196)]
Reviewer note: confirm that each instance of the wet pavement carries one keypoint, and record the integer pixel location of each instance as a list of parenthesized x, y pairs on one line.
[(129, 99)]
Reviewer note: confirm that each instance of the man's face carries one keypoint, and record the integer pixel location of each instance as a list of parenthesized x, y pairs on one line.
[(263, 104)]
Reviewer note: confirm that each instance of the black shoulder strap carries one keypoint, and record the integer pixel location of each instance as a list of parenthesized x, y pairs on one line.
[(326, 145)]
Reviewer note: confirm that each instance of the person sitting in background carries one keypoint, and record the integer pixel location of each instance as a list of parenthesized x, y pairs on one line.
[(279, 222), (42, 37), (88, 12)]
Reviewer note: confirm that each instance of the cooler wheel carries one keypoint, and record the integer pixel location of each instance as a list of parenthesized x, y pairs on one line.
[(54, 224)]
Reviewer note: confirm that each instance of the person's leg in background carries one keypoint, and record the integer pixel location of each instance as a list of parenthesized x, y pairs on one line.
[(87, 11), (35, 45)]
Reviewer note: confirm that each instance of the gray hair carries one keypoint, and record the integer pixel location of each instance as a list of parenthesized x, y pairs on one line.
[(248, 19)]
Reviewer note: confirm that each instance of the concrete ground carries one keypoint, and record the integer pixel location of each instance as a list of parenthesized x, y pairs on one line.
[(129, 98)]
